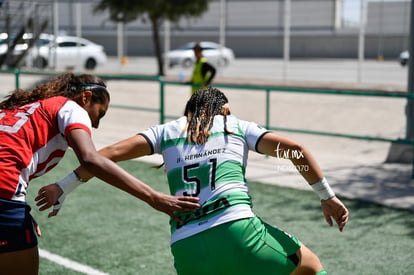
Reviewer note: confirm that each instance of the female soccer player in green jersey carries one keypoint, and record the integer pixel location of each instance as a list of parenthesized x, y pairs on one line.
[(205, 156)]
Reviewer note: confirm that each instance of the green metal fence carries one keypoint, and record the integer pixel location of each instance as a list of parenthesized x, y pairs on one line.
[(267, 89)]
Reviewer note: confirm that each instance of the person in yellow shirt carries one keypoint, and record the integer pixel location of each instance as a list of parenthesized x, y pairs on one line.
[(203, 72)]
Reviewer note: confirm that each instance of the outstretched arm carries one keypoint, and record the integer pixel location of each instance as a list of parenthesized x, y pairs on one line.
[(130, 148), (282, 147), (101, 165)]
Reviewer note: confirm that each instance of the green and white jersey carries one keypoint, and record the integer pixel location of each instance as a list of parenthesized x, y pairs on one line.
[(214, 171)]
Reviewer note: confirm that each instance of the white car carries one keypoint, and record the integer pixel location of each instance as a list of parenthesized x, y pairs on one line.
[(69, 52), (215, 54), (21, 46), (404, 57)]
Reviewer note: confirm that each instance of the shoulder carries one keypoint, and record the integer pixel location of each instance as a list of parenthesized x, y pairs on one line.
[(170, 129), (71, 113), (244, 126), (174, 129), (56, 100), (67, 105), (54, 104), (231, 120)]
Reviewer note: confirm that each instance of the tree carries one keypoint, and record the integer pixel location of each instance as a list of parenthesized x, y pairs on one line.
[(156, 11)]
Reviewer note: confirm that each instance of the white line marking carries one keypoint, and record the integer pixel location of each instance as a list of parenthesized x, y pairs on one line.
[(69, 263)]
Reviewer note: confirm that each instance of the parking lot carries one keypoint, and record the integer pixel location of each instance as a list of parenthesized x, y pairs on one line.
[(388, 74)]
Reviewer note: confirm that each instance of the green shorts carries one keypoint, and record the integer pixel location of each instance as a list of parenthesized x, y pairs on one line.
[(246, 246)]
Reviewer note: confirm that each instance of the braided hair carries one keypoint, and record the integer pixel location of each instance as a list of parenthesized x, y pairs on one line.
[(200, 111), (66, 84)]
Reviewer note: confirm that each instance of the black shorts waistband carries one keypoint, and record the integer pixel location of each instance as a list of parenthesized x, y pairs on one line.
[(14, 213)]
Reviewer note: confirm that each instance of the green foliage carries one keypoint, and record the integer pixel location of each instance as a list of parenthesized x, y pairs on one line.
[(127, 11), (156, 11)]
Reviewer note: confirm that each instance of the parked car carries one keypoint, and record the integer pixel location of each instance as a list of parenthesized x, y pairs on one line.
[(71, 52), (21, 46), (18, 49), (404, 56), (215, 54)]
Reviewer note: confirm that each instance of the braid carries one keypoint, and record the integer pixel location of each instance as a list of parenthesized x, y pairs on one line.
[(66, 84), (200, 112)]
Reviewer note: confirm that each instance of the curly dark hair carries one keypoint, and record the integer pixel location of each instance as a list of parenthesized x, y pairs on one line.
[(66, 84), (200, 111)]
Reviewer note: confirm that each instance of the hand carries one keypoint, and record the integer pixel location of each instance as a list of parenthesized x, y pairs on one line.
[(47, 197), (36, 227), (334, 208), (169, 204), (57, 206)]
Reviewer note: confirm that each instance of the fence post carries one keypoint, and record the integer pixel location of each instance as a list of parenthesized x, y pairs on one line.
[(162, 114), (412, 148), (17, 76), (412, 160), (267, 108)]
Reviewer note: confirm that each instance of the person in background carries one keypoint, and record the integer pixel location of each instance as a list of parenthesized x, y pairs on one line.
[(205, 155), (36, 128), (203, 72)]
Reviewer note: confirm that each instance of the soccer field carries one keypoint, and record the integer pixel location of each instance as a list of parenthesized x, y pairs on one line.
[(109, 231)]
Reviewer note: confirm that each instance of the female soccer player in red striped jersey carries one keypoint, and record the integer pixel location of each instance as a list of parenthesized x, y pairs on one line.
[(36, 127)]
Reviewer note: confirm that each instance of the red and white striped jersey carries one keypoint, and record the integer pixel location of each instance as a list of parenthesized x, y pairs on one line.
[(32, 141)]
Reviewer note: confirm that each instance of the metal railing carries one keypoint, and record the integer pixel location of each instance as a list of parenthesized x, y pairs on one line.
[(266, 89)]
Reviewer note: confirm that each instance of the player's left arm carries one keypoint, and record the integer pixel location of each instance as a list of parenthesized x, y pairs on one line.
[(282, 147)]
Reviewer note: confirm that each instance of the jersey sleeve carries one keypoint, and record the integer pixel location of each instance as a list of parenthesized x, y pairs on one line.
[(72, 116), (253, 133), (154, 136)]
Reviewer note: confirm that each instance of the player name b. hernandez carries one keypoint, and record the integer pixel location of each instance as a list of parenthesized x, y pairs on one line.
[(203, 154)]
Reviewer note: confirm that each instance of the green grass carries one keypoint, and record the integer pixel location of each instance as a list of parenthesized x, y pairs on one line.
[(109, 230)]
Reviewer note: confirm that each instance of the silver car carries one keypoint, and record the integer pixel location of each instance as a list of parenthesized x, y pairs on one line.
[(215, 54)]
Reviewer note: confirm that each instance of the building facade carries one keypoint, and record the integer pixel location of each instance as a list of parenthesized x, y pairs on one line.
[(251, 28)]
